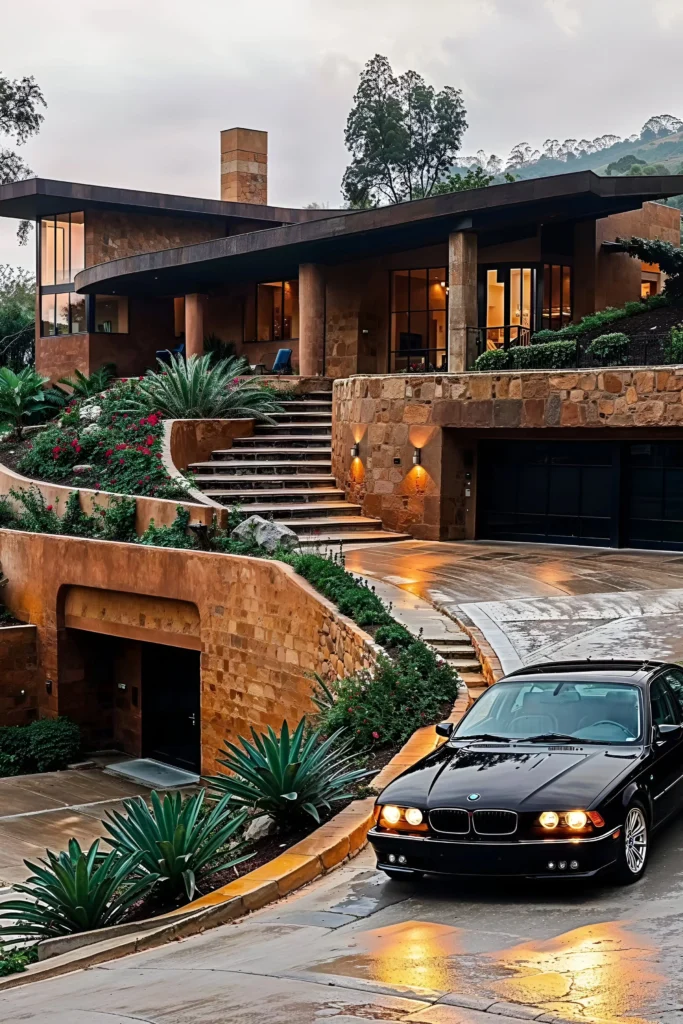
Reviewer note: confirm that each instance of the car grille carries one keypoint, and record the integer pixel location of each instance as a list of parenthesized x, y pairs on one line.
[(494, 823), (452, 820)]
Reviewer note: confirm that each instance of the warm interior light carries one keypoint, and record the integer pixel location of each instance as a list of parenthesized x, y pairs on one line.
[(391, 815), (549, 819), (576, 819), (414, 816)]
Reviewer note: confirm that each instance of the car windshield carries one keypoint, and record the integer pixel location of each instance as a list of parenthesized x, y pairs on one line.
[(555, 711)]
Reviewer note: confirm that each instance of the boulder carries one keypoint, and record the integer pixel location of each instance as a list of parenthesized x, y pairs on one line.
[(89, 413), (266, 534), (259, 828), (92, 428)]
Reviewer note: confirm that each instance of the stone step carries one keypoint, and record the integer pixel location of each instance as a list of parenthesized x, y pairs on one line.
[(311, 509), (262, 430), (236, 483), (447, 650), (294, 416), (274, 441), (288, 454), (463, 663), (307, 405), (369, 537), (312, 496), (473, 678), (221, 469), (333, 524)]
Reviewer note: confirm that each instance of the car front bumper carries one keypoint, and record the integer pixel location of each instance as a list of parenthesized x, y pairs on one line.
[(523, 858)]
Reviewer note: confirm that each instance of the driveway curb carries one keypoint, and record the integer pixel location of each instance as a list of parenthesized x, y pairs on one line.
[(339, 839)]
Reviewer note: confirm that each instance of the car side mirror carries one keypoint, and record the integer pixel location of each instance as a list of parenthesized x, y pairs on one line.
[(444, 729), (667, 729)]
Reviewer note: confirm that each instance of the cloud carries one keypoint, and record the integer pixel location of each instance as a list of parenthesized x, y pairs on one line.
[(565, 14)]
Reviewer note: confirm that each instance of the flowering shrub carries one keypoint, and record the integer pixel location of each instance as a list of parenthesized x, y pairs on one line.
[(123, 449), (29, 511)]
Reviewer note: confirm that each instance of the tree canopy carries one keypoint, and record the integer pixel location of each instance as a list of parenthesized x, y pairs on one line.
[(20, 118), (17, 316), (402, 134)]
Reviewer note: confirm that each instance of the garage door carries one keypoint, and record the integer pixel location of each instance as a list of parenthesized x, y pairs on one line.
[(556, 491), (582, 492)]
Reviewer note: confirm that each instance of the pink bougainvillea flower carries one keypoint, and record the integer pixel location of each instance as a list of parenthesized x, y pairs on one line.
[(122, 461), (48, 508), (375, 735)]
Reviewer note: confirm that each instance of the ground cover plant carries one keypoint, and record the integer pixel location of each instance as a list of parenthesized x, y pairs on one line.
[(46, 745), (17, 959)]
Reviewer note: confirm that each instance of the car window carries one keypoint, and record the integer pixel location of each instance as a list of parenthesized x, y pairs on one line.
[(663, 712), (674, 678)]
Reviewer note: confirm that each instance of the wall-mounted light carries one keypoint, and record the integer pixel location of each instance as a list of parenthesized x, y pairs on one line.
[(417, 457), (48, 686), (355, 450)]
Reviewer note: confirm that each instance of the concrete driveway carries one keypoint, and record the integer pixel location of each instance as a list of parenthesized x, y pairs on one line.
[(538, 602), (355, 947)]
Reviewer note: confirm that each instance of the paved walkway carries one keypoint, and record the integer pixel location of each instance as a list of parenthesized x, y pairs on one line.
[(355, 947), (544, 602), (39, 811)]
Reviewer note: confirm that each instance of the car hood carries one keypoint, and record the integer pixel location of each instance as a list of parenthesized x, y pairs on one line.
[(528, 779)]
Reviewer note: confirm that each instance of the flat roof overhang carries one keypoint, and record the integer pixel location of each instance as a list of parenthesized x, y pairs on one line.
[(43, 197), (277, 252)]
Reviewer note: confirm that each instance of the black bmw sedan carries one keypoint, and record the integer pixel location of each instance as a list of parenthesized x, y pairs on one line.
[(557, 770)]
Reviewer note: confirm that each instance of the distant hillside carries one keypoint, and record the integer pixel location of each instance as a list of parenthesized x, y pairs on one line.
[(660, 141)]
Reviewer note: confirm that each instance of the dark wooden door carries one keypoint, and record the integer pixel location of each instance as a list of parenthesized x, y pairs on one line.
[(171, 721)]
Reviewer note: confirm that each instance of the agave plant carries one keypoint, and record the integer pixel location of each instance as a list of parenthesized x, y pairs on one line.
[(196, 389), (21, 395), (286, 775), (73, 891), (173, 842)]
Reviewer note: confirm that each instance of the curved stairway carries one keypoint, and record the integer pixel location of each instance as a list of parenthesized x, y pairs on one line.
[(285, 471)]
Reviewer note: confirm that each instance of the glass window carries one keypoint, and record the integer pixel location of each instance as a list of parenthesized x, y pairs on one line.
[(566, 294), (77, 243), (591, 712), (290, 323), (557, 296), (675, 680), (663, 712), (277, 310), (62, 311), (47, 251), (111, 314), (62, 250), (77, 313), (418, 320), (47, 316)]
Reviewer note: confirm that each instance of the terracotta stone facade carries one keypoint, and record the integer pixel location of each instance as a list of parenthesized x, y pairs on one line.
[(111, 235), (261, 630), (443, 416), (18, 675), (244, 166)]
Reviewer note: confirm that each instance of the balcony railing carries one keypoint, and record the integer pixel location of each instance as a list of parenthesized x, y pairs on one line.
[(646, 348), (481, 339)]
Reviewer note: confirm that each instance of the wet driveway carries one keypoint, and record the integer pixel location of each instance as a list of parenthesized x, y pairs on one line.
[(543, 602), (355, 947)]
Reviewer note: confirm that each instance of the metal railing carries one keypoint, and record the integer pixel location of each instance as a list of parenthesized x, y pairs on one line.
[(481, 339), (646, 348)]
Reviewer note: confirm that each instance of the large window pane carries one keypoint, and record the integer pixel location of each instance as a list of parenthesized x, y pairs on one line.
[(77, 303), (515, 295), (47, 251), (566, 294), (419, 331), (556, 298), (77, 243), (62, 310), (111, 314), (418, 289), (400, 299), (437, 288), (526, 296), (291, 310), (47, 316), (62, 250), (546, 297)]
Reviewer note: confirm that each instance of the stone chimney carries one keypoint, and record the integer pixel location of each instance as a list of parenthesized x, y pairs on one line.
[(244, 166)]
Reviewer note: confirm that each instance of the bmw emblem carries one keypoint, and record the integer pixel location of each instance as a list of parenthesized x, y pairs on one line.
[(473, 797)]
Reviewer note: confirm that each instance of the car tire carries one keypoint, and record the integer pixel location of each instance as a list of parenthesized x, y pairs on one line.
[(634, 845)]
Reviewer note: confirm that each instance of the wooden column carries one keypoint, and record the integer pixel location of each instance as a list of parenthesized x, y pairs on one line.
[(311, 319), (194, 325), (462, 296)]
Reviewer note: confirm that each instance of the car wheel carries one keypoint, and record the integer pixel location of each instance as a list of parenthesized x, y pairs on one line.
[(634, 845)]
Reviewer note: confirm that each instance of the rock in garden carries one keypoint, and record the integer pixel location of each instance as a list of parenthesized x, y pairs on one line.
[(259, 828), (92, 428), (265, 533), (82, 470), (90, 413)]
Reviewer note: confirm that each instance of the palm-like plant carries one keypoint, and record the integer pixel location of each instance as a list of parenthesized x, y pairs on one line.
[(197, 390), (288, 776), (83, 386), (21, 395), (73, 891), (173, 842)]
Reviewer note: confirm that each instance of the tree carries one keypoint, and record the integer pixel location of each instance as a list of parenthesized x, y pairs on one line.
[(668, 256), (403, 136), (475, 177), (17, 317), (20, 118), (624, 164)]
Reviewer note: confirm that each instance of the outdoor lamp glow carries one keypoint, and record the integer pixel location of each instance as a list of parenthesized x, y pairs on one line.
[(576, 819), (417, 457), (549, 819), (391, 814), (414, 816), (355, 450)]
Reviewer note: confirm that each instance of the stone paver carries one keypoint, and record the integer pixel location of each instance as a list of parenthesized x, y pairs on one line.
[(543, 602)]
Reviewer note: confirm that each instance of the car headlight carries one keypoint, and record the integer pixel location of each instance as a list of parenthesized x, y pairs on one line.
[(576, 819), (401, 819), (414, 816), (549, 819), (391, 814)]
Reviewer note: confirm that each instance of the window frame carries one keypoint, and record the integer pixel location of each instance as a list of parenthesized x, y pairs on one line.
[(272, 340), (392, 352), (65, 288)]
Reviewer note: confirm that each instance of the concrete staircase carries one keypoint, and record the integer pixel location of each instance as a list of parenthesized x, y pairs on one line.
[(457, 650), (285, 471)]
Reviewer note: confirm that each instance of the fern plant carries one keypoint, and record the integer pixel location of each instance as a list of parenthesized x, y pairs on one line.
[(173, 843), (196, 389), (288, 776), (73, 891)]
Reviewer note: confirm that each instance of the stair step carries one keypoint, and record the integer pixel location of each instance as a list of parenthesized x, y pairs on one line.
[(302, 417), (291, 440), (234, 483), (311, 496), (333, 524), (249, 453), (473, 678), (281, 511), (262, 430), (463, 663), (450, 650), (306, 406), (369, 537)]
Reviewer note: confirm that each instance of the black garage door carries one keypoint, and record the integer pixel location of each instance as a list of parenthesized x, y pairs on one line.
[(582, 492)]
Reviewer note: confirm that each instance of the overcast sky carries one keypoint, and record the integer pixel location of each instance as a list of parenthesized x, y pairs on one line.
[(138, 90)]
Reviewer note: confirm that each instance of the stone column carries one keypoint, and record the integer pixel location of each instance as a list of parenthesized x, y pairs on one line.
[(462, 296), (311, 319), (194, 325)]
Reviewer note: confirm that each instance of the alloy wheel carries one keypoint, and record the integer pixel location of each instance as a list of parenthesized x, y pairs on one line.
[(635, 840)]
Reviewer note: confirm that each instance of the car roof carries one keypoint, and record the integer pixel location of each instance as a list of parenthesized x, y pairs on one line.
[(635, 672)]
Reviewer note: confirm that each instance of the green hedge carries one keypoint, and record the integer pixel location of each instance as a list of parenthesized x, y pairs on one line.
[(48, 745), (673, 350), (603, 318), (609, 350), (555, 355)]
